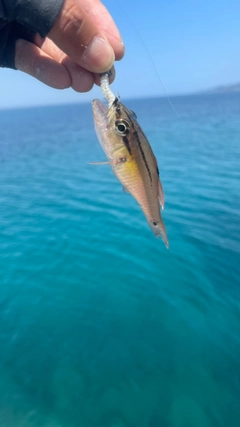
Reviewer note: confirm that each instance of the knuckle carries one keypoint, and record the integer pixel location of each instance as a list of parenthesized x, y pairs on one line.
[(71, 20)]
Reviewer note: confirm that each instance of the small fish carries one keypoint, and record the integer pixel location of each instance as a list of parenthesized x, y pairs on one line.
[(130, 156)]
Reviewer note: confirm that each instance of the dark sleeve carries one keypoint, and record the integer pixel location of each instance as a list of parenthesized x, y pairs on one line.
[(23, 19)]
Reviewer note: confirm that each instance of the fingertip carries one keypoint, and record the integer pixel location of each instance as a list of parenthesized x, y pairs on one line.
[(106, 26), (119, 50), (98, 55)]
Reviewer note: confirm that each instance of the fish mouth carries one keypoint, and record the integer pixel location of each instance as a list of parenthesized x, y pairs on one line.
[(99, 111)]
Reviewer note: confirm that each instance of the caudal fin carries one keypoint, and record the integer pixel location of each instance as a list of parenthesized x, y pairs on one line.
[(159, 230)]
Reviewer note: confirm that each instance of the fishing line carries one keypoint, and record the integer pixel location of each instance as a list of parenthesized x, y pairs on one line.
[(153, 64)]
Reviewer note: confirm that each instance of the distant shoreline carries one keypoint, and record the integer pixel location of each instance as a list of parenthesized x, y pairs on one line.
[(234, 88)]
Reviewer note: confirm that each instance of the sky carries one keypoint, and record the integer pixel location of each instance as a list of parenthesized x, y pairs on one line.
[(172, 47)]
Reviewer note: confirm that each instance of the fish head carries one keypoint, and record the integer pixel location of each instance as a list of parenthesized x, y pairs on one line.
[(114, 127)]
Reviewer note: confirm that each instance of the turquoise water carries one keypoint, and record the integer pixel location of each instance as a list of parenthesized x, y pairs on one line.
[(100, 325)]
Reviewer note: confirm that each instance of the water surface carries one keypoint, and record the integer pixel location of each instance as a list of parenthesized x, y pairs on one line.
[(100, 325)]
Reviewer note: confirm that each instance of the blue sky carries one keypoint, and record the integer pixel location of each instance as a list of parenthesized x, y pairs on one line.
[(185, 45)]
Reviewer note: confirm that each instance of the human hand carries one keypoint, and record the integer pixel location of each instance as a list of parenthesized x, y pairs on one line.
[(83, 42)]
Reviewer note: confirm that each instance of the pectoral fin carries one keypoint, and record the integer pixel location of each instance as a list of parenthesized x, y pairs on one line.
[(113, 162), (125, 190), (99, 163)]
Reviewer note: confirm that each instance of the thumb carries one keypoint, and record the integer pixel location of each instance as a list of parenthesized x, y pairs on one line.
[(75, 33)]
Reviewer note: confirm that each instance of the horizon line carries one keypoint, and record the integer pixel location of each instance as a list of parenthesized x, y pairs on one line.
[(209, 92)]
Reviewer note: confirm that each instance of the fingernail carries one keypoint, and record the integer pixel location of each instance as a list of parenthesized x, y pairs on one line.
[(99, 55)]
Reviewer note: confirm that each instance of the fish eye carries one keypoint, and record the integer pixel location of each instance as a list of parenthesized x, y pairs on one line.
[(122, 127)]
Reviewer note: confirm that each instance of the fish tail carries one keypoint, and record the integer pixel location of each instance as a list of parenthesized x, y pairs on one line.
[(159, 230)]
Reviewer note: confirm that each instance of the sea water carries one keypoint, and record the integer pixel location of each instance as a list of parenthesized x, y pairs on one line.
[(100, 324)]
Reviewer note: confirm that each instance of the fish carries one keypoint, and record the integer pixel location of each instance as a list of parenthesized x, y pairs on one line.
[(131, 158)]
